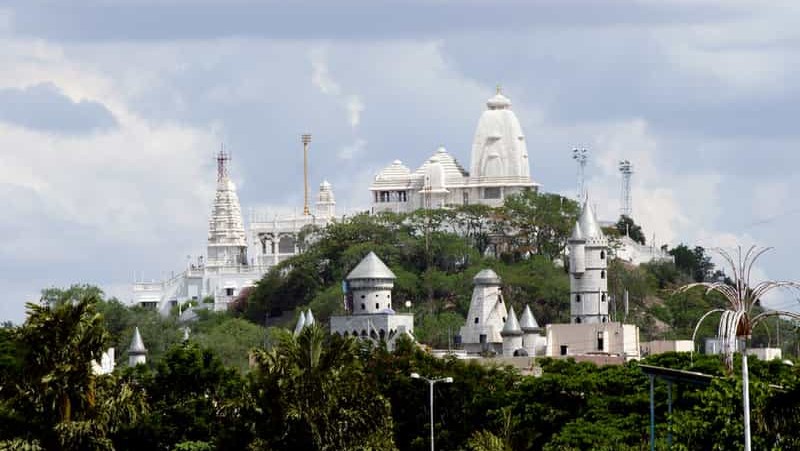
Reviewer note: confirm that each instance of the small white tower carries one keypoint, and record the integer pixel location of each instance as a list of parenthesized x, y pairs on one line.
[(370, 284), (512, 336), (530, 330), (137, 353), (326, 202), (588, 249), (487, 314)]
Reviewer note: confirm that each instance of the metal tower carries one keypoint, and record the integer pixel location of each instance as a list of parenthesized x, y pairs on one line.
[(626, 207), (306, 139), (580, 156), (222, 163)]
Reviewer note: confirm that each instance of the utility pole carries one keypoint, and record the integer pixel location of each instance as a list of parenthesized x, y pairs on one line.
[(306, 139)]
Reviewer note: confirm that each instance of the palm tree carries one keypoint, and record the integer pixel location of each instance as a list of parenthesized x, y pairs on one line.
[(323, 391), (66, 405), (741, 315)]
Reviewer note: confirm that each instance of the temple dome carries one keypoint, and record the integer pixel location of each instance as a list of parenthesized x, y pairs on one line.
[(395, 171), (499, 152)]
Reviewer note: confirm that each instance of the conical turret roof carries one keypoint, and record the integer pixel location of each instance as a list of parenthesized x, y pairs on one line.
[(512, 324), (527, 322), (577, 234), (137, 345), (371, 267), (588, 222)]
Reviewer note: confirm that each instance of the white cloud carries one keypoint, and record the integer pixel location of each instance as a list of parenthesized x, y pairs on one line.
[(320, 75), (354, 109), (352, 150)]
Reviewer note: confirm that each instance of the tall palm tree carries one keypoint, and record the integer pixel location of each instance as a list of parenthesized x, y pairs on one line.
[(741, 316)]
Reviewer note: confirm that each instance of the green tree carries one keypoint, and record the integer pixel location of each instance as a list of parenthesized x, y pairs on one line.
[(313, 394), (627, 227), (63, 404)]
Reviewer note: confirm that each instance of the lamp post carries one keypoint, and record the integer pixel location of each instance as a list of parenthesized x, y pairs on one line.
[(431, 382)]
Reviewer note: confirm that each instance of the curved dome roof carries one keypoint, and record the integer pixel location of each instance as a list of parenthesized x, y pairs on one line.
[(487, 277), (395, 171), (454, 173), (499, 151)]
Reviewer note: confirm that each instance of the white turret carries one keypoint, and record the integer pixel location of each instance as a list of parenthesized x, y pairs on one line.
[(227, 245), (137, 353), (487, 314), (512, 336), (326, 202), (530, 332), (370, 284), (588, 249)]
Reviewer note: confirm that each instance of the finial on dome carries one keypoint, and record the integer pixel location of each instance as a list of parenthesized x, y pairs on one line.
[(499, 89)]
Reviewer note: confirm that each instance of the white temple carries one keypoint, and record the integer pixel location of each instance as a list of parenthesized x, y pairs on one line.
[(499, 168), (224, 272), (369, 304)]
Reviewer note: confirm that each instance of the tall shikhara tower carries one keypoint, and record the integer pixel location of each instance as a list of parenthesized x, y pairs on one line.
[(588, 266), (227, 245)]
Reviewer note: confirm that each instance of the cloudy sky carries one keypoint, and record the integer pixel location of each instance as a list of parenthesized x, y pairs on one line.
[(110, 113)]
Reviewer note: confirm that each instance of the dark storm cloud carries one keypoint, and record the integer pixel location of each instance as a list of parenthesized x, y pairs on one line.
[(348, 19), (45, 107)]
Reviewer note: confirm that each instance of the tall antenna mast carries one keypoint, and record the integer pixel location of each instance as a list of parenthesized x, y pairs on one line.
[(222, 163), (306, 139), (580, 156), (626, 207)]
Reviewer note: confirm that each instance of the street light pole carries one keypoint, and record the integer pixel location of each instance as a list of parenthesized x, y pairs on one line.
[(431, 382)]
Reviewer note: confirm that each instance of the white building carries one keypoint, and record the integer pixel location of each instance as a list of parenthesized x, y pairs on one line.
[(275, 238), (487, 315), (369, 303), (588, 265), (499, 167), (663, 346), (609, 338), (224, 271), (634, 253), (590, 330), (512, 336)]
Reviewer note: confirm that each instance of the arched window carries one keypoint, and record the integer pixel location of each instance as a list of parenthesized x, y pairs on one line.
[(577, 298), (602, 274), (476, 320), (578, 320), (363, 307), (603, 297), (602, 255), (377, 306)]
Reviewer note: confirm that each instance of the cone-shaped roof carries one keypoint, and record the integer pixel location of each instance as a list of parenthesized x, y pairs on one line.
[(527, 322), (137, 345), (301, 323), (588, 222), (486, 277), (577, 234), (371, 267), (512, 324)]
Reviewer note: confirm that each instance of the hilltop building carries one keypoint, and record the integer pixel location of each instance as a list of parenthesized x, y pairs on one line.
[(369, 305), (590, 330), (499, 167)]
